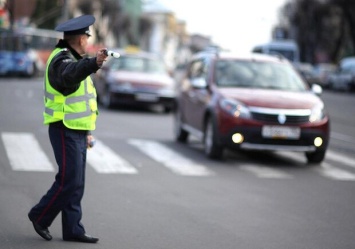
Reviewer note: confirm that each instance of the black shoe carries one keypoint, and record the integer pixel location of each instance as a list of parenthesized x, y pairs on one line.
[(43, 232), (83, 238)]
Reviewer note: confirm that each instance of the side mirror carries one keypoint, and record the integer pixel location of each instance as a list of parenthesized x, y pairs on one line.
[(317, 89), (199, 82)]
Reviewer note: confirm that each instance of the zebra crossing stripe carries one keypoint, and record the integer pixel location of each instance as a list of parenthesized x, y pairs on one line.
[(265, 172), (106, 161), (331, 155), (332, 172), (25, 153), (170, 159)]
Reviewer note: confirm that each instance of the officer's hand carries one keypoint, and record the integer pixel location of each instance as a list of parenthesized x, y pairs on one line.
[(101, 56), (90, 140)]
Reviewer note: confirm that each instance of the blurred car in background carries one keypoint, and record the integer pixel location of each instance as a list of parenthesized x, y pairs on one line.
[(252, 102), (286, 48), (135, 78), (344, 78), (24, 63), (307, 72), (6, 62), (19, 63), (322, 72)]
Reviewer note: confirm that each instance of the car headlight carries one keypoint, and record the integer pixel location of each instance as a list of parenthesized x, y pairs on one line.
[(167, 92), (235, 108), (317, 113)]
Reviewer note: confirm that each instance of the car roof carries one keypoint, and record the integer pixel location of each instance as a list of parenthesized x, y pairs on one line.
[(241, 56)]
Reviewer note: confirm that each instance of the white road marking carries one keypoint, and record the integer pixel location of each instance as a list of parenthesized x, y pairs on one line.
[(332, 172), (177, 163), (296, 156), (340, 158), (342, 137), (328, 170), (106, 161), (25, 153), (330, 155), (265, 172)]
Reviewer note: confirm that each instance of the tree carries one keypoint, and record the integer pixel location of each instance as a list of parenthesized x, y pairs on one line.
[(324, 30), (46, 13), (110, 18), (120, 22), (348, 12)]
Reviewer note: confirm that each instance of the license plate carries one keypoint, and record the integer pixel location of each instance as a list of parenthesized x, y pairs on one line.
[(281, 132), (146, 97)]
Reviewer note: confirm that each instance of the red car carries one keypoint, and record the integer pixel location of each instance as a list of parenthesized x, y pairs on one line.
[(252, 102)]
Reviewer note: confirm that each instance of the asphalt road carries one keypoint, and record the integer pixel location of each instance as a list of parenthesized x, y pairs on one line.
[(145, 191)]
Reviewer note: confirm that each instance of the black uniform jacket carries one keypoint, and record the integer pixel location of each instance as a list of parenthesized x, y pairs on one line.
[(67, 69)]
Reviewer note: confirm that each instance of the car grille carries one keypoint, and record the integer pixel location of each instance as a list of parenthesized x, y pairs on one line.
[(289, 118)]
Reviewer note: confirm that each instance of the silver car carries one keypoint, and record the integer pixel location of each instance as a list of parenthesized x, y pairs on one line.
[(344, 78)]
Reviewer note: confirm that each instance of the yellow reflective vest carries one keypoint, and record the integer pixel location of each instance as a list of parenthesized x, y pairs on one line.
[(78, 110)]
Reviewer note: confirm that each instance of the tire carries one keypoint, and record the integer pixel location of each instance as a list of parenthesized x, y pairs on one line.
[(180, 134), (352, 87), (331, 86), (106, 99), (31, 70), (315, 157), (167, 109), (212, 148), (348, 87)]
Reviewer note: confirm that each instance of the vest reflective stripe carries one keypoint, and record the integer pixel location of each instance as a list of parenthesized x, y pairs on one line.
[(70, 100), (68, 116), (77, 110), (55, 98), (73, 100)]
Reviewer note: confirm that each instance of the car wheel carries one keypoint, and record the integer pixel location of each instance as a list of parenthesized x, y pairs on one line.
[(180, 134), (106, 99), (31, 70), (212, 148), (347, 87), (315, 157), (167, 109), (331, 86)]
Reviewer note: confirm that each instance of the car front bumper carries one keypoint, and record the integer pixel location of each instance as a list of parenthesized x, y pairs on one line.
[(142, 98), (253, 139)]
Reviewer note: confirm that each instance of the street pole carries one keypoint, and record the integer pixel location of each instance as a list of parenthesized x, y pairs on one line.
[(65, 11), (11, 8)]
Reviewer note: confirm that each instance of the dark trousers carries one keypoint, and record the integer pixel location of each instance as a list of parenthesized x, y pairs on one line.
[(65, 194)]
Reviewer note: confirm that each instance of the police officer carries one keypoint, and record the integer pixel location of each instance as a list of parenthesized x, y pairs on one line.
[(70, 111)]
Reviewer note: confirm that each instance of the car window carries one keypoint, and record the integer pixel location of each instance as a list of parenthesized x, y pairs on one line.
[(253, 74), (154, 66), (137, 64)]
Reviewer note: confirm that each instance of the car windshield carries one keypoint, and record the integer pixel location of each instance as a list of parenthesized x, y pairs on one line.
[(253, 74), (138, 64)]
